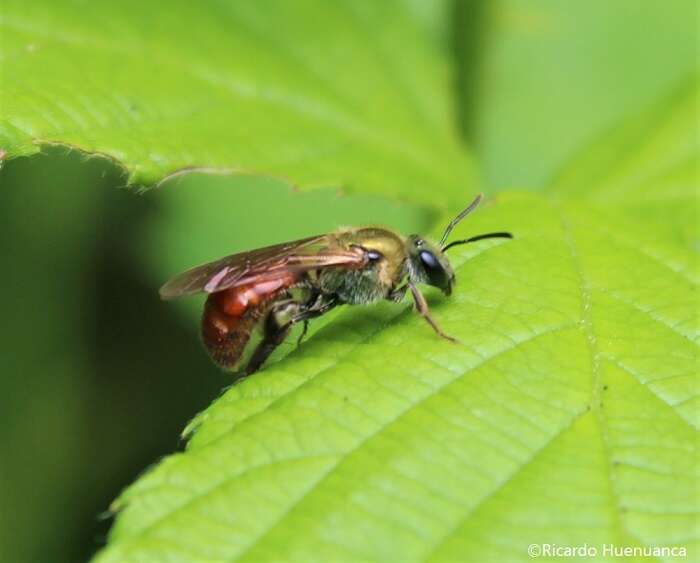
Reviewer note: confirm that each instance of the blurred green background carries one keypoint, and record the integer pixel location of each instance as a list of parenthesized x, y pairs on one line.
[(97, 374)]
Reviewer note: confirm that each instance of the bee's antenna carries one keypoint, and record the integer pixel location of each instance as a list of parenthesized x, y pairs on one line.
[(471, 207), (477, 237)]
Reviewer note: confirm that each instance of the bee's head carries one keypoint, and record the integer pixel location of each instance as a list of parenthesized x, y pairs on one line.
[(428, 262), (429, 265)]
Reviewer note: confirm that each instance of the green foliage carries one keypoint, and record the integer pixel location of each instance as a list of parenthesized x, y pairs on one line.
[(568, 412), (325, 105)]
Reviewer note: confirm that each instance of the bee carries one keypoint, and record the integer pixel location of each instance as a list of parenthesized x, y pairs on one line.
[(271, 289)]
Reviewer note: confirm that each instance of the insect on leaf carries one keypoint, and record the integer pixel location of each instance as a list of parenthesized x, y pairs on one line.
[(568, 413)]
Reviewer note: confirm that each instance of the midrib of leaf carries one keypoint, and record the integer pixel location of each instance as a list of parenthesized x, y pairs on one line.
[(648, 312), (586, 323)]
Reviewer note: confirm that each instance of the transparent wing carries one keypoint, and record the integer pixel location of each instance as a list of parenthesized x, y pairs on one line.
[(243, 268)]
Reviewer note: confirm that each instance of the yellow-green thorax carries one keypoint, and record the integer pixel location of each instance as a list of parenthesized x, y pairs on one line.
[(376, 280)]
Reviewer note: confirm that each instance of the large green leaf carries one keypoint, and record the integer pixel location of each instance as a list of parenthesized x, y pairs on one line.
[(567, 414), (360, 101), (540, 78)]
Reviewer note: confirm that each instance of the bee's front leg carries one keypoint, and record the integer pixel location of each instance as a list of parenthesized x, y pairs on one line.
[(424, 311), (397, 294)]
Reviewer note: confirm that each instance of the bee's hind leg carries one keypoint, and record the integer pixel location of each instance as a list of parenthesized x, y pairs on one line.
[(270, 341), (276, 327), (424, 311), (279, 322)]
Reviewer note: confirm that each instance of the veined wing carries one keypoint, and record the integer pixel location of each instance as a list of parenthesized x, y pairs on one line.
[(239, 269)]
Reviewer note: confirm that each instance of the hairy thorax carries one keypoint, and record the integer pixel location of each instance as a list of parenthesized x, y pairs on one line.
[(375, 280)]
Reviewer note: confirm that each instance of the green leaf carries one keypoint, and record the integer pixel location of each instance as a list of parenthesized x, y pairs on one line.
[(551, 76), (568, 413), (360, 102)]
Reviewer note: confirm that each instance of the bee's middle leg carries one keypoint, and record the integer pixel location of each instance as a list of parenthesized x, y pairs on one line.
[(303, 331), (321, 304)]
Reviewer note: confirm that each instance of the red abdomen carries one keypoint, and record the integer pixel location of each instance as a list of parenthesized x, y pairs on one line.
[(231, 315)]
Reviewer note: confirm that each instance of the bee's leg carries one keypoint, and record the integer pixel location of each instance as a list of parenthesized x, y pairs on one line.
[(303, 332), (321, 306), (303, 314), (265, 348), (424, 311), (398, 294), (279, 322), (276, 327)]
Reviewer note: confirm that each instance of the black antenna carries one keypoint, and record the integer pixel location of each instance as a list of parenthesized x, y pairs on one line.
[(477, 237), (471, 207)]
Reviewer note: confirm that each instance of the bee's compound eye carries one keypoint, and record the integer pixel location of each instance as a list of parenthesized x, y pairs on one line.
[(428, 258), (434, 271), (373, 255)]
